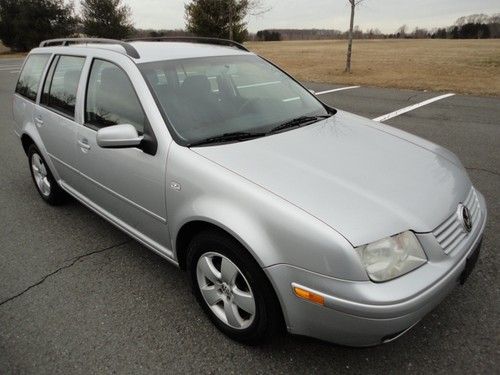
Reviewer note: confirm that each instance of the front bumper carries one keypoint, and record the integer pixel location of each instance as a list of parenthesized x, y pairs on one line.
[(363, 313)]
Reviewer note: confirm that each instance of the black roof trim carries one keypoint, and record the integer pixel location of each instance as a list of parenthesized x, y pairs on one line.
[(130, 50), (192, 39)]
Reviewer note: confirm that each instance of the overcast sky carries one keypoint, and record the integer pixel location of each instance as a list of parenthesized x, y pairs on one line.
[(386, 15)]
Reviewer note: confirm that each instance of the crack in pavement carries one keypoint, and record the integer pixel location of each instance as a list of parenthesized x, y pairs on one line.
[(71, 264), (483, 170)]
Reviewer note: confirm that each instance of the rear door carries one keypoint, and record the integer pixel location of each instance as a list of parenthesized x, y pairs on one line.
[(55, 114), (27, 88), (129, 183)]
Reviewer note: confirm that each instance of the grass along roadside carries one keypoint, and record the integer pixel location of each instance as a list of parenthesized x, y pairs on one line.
[(461, 66)]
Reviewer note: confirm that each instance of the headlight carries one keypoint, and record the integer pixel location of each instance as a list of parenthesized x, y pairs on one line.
[(392, 256)]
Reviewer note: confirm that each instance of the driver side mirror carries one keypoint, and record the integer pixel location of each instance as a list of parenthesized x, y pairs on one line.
[(118, 136)]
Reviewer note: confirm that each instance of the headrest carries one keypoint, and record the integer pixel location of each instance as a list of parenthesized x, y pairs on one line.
[(152, 77), (114, 80), (71, 78), (196, 85)]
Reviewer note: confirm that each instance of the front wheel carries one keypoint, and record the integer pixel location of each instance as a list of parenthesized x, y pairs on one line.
[(232, 289)]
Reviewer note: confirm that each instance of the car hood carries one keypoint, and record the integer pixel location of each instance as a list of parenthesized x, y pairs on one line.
[(365, 180)]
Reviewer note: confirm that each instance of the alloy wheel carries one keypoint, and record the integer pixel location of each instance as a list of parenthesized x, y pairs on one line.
[(226, 290), (40, 173)]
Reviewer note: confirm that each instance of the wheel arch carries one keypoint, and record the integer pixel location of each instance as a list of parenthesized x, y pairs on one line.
[(191, 228), (27, 141), (29, 137)]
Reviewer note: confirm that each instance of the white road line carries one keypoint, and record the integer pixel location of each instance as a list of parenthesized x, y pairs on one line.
[(14, 71), (339, 89), (411, 108)]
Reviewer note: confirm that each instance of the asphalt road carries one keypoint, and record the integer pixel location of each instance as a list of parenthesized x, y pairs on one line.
[(79, 296)]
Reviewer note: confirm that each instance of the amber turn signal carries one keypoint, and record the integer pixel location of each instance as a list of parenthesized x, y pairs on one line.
[(307, 295)]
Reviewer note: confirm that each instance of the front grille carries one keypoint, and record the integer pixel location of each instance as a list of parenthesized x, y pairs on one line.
[(451, 232)]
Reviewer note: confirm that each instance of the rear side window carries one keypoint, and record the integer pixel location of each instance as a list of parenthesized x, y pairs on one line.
[(61, 85), (111, 99), (29, 80)]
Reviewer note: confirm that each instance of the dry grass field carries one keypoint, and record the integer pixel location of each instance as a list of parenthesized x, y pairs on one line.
[(462, 66)]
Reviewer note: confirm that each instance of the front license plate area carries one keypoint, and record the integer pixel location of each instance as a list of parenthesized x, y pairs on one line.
[(470, 262)]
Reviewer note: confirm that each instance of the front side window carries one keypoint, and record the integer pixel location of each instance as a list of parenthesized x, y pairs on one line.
[(111, 99), (30, 77), (61, 86), (212, 96)]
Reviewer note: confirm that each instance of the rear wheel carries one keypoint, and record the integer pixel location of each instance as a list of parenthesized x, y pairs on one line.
[(232, 289), (46, 185)]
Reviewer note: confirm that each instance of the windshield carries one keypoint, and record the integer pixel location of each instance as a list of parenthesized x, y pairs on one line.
[(207, 97)]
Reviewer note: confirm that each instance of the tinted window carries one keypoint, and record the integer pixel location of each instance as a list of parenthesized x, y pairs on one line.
[(59, 91), (30, 77), (111, 99)]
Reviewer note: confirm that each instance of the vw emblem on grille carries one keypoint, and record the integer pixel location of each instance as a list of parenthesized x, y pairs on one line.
[(464, 216)]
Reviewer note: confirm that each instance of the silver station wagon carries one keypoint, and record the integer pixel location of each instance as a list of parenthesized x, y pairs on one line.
[(284, 211)]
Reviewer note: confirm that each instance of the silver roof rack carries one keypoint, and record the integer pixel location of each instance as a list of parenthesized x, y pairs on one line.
[(191, 39), (130, 50)]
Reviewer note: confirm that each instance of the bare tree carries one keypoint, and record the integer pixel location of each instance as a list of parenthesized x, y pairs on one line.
[(354, 4), (401, 32)]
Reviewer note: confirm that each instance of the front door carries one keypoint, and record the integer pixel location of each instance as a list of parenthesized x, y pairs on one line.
[(129, 183)]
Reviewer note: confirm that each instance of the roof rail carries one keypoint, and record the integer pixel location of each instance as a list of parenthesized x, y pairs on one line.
[(191, 39), (131, 51)]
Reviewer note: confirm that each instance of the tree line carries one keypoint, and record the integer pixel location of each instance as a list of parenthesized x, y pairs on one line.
[(25, 23), (476, 26)]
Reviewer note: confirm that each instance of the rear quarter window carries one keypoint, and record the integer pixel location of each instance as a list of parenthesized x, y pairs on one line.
[(31, 75)]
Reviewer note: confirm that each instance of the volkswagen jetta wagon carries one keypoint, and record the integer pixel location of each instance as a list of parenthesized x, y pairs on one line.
[(284, 211)]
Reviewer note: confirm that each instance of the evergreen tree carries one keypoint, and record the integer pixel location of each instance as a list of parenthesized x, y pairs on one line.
[(106, 19), (25, 23), (218, 18)]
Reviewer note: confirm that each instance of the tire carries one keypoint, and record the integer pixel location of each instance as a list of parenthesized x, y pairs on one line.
[(44, 181), (257, 324)]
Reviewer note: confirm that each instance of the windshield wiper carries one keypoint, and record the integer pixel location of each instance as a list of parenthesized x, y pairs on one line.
[(242, 136), (227, 137), (297, 122)]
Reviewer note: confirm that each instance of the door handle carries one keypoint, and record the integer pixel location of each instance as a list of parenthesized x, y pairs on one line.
[(38, 121), (84, 145)]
